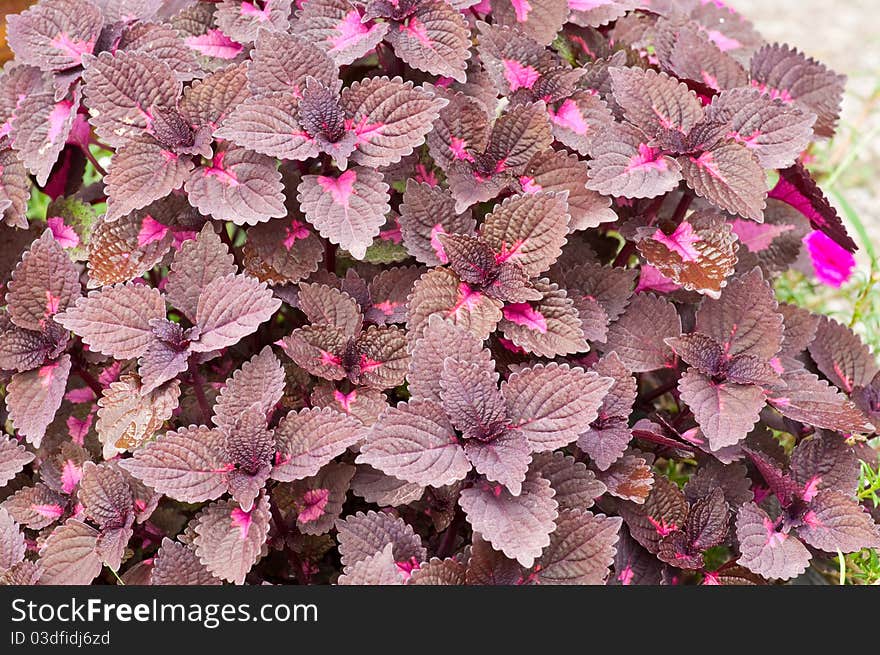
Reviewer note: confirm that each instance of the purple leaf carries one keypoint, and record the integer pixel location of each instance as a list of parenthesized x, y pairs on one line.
[(116, 320), (520, 526), (348, 209), (228, 540), (307, 440), (230, 308), (766, 551)]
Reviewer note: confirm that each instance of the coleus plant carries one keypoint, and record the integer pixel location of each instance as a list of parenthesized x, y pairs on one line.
[(419, 292)]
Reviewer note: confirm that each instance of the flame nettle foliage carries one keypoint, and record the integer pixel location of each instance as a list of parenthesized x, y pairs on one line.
[(419, 292)]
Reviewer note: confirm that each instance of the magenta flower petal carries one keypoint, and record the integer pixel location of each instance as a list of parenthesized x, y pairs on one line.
[(833, 265)]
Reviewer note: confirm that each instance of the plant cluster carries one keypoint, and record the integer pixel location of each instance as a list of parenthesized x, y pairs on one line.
[(419, 292)]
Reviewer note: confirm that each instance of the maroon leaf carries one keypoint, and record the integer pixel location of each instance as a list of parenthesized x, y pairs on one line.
[(528, 229), (122, 88), (196, 264), (442, 339), (230, 308), (581, 549), (13, 457), (176, 564), (575, 485), (625, 165), (239, 185), (556, 171), (376, 570), (242, 20), (185, 464), (43, 283), (362, 535), (552, 404), (68, 556), (12, 543), (725, 411), (766, 551), (810, 400), (348, 209), (33, 397), (389, 117), (540, 19), (548, 327), (55, 34), (280, 63), (116, 320), (729, 177), (655, 102), (209, 101), (337, 27), (744, 319), (141, 172), (15, 189), (784, 73), (434, 39), (309, 439), (272, 126), (425, 213), (40, 128), (664, 511), (519, 526), (638, 337), (837, 523), (228, 540), (439, 291), (841, 356), (777, 133), (416, 442)]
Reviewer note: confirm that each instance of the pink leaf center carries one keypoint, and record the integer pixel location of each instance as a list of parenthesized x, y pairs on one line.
[(681, 241), (345, 399), (811, 488), (315, 500), (467, 299), (529, 185), (519, 76), (65, 235), (241, 520), (340, 188), (416, 29), (71, 474), (214, 43), (223, 175), (75, 49), (296, 230), (569, 116), (522, 9), (57, 118), (647, 159), (524, 314), (436, 231), (350, 31), (151, 231), (49, 511)]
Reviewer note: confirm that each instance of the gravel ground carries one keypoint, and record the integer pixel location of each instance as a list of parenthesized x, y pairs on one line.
[(845, 36)]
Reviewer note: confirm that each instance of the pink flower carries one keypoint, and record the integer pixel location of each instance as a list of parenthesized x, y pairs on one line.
[(833, 265)]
